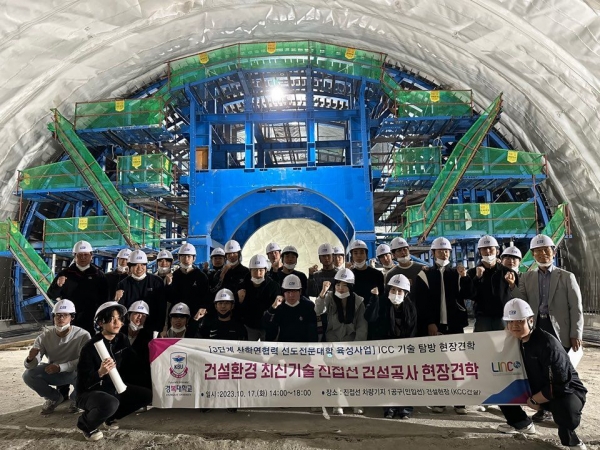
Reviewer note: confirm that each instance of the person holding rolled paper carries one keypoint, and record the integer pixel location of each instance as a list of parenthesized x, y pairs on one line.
[(102, 395)]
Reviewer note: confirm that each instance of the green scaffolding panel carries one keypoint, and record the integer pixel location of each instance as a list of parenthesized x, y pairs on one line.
[(556, 228), (59, 175), (4, 227), (475, 219), (418, 161), (149, 174), (141, 112), (497, 161)]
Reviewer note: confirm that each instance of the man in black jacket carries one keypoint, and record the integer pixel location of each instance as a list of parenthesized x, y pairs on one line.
[(119, 273), (553, 380), (96, 393)]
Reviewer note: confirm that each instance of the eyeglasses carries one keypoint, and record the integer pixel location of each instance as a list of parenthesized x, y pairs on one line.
[(62, 316)]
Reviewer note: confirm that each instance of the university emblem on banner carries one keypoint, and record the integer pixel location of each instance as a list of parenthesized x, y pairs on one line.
[(179, 368)]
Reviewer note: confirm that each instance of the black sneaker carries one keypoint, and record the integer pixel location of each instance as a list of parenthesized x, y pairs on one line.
[(542, 416), (64, 391), (231, 410), (388, 414), (111, 425)]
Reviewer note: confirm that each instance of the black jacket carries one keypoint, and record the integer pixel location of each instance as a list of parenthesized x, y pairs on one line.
[(190, 288), (230, 330), (291, 324), (258, 299), (491, 290), (113, 279), (152, 290), (135, 369), (279, 276), (384, 319)]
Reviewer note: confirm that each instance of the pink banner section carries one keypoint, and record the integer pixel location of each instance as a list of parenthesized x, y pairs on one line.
[(158, 346)]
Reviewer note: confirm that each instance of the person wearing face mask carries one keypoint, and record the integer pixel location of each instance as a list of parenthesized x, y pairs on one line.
[(60, 344), (179, 318), (553, 380), (141, 285), (289, 255), (345, 314), (393, 316), (511, 258), (384, 255), (440, 294), (136, 368), (223, 325), (258, 292), (120, 272), (491, 287), (401, 252), (339, 257), (233, 273), (164, 263), (84, 284), (97, 396), (366, 277), (291, 317)]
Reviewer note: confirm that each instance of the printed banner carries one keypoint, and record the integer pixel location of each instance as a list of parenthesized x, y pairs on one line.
[(463, 369)]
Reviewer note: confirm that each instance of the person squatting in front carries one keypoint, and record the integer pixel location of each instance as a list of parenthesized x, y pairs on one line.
[(553, 380), (345, 314), (97, 396)]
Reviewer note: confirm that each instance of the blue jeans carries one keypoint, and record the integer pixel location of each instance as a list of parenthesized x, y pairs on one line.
[(42, 383)]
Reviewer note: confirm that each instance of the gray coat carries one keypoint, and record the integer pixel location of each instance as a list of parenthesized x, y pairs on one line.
[(343, 332), (564, 303)]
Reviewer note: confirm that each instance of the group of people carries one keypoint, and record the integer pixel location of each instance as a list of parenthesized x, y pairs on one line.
[(270, 300)]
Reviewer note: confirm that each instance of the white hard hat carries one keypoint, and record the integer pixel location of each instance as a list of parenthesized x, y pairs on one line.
[(289, 249), (517, 309), (541, 240), (64, 306), (258, 262), (139, 307), (441, 243), (124, 254), (180, 308), (383, 249), (273, 247), (164, 254), (487, 241), (338, 250), (400, 281), (224, 295), (217, 252), (358, 244), (291, 283), (397, 243), (138, 257), (187, 249), (325, 249), (232, 247), (107, 305), (82, 247), (345, 275), (512, 251)]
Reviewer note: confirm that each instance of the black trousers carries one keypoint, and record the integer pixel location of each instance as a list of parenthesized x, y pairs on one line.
[(566, 412), (100, 406)]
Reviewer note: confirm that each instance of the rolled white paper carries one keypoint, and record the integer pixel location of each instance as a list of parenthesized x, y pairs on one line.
[(114, 373), (155, 335)]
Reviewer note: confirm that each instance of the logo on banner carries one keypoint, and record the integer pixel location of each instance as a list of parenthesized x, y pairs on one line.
[(179, 368), (501, 367)]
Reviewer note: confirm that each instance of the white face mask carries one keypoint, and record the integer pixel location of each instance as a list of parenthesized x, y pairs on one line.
[(140, 278), (360, 265), (178, 330), (389, 266), (185, 267), (164, 270), (82, 268), (135, 327), (404, 259), (490, 259), (290, 266), (544, 265), (294, 305), (122, 269), (396, 299), (229, 263), (257, 280), (63, 328), (342, 294), (442, 262)]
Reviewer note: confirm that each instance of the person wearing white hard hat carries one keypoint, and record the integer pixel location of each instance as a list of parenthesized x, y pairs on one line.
[(84, 284), (190, 285), (273, 252), (393, 316), (511, 257), (136, 369), (385, 257), (492, 289), (345, 314), (179, 318), (141, 285), (222, 325), (291, 317), (289, 256), (257, 293), (164, 264), (441, 292), (213, 270), (317, 277), (96, 393), (339, 257), (366, 277), (234, 273), (553, 380), (406, 266), (120, 272), (61, 345)]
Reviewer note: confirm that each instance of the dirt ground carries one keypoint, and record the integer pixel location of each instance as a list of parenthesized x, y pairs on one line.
[(22, 427)]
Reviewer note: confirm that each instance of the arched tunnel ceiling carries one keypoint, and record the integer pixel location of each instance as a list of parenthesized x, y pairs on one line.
[(544, 56)]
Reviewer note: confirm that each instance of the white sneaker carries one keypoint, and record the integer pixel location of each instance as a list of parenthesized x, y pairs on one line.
[(529, 429), (580, 446), (94, 435), (358, 410), (482, 408), (460, 410), (338, 411), (438, 409), (49, 406), (112, 425)]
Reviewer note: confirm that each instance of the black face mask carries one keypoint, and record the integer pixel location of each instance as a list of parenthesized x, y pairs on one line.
[(226, 315)]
